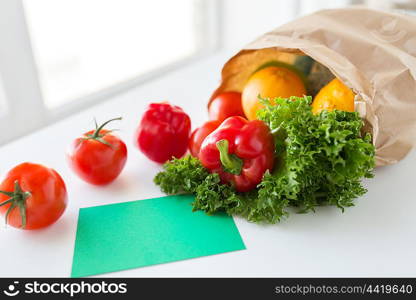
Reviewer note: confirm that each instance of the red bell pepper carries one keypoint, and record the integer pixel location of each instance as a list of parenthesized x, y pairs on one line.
[(240, 151), (163, 132)]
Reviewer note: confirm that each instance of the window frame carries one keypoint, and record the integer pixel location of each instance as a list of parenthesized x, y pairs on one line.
[(18, 69)]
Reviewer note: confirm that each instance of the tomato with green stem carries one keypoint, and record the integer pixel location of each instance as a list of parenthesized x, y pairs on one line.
[(32, 196), (98, 156)]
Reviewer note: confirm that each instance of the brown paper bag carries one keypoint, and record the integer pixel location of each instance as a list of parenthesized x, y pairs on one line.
[(372, 52)]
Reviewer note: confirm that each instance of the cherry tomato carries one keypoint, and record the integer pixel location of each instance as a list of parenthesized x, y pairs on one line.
[(98, 156), (200, 134), (227, 104), (32, 196)]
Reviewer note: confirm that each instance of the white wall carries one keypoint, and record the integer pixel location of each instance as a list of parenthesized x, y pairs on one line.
[(244, 20), (3, 106)]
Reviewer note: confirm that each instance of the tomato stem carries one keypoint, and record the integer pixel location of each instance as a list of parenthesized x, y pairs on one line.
[(9, 194), (12, 206), (22, 208), (96, 133), (6, 202), (17, 198), (231, 163)]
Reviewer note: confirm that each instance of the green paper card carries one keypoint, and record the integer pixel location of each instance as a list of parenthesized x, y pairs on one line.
[(147, 232)]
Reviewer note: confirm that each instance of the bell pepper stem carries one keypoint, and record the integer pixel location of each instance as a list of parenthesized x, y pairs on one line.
[(231, 163)]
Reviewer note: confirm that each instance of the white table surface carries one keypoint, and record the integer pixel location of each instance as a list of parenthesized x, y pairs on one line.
[(377, 237)]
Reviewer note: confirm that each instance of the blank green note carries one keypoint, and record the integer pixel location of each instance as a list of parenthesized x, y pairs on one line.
[(147, 232)]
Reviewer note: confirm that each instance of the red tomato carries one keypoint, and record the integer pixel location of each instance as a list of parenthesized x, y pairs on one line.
[(200, 134), (98, 156), (227, 104), (32, 196)]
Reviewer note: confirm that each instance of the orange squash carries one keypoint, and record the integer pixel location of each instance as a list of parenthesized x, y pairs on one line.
[(270, 82), (334, 95)]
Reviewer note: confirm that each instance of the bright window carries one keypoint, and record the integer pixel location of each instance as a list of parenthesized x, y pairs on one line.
[(84, 46), (61, 56)]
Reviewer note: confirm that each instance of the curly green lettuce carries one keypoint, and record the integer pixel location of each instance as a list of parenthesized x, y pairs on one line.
[(320, 160)]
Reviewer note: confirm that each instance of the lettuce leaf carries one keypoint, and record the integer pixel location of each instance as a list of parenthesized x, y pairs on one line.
[(320, 160)]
